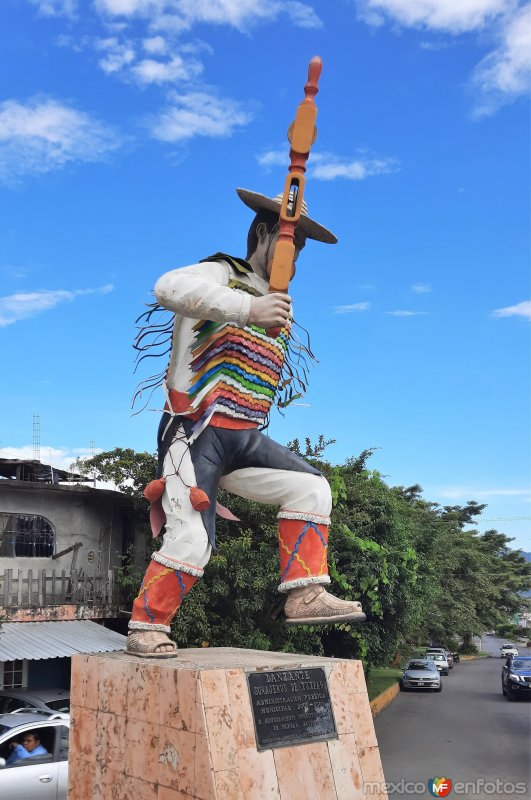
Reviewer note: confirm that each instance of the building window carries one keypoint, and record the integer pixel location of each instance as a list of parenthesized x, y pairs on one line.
[(26, 536), (15, 674)]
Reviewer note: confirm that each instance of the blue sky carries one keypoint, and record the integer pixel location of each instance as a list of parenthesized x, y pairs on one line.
[(125, 127)]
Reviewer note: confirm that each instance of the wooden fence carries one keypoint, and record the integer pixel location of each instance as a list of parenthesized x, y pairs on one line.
[(38, 588)]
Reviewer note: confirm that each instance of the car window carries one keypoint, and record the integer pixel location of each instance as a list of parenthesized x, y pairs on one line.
[(519, 663), (59, 705), (47, 737), (13, 703), (64, 734)]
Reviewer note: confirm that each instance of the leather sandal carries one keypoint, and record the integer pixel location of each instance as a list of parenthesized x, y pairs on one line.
[(313, 605), (146, 644)]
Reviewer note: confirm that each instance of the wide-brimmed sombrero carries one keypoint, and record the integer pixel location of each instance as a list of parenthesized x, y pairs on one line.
[(311, 229)]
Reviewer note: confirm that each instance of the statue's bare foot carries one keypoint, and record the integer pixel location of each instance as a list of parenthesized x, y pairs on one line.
[(150, 644), (313, 605)]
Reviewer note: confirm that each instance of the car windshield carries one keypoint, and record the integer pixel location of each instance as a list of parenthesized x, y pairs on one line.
[(507, 647), (418, 665), (59, 705), (521, 663)]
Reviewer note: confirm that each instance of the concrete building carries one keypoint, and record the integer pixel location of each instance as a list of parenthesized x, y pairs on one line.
[(61, 542)]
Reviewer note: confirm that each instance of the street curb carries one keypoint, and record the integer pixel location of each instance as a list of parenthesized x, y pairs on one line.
[(384, 699), (471, 658)]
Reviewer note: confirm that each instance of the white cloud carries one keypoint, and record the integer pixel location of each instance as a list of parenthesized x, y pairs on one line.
[(155, 45), (55, 8), (354, 307), (176, 69), (302, 15), (60, 457), (44, 135), (406, 313), (178, 15), (330, 168), (466, 492), (117, 54), (454, 16), (421, 288), (435, 46), (198, 114), (522, 309), (69, 41), (505, 73), (121, 59), (327, 166), (273, 158), (23, 305)]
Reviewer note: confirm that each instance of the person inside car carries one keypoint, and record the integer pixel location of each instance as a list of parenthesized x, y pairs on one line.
[(31, 746)]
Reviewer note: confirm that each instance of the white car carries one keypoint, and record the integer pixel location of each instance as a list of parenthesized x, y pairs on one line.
[(443, 651), (440, 662), (42, 777), (508, 650)]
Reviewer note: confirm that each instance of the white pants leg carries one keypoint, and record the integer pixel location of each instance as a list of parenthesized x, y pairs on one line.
[(300, 495)]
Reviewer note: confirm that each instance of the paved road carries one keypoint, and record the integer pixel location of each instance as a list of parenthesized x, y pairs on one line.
[(468, 732)]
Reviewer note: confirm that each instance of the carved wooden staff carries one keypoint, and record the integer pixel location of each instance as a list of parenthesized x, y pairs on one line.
[(301, 134)]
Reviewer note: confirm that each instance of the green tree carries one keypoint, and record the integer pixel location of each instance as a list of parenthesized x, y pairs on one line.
[(419, 570)]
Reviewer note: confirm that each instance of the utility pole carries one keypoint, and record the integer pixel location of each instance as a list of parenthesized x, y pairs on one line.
[(92, 454), (36, 437)]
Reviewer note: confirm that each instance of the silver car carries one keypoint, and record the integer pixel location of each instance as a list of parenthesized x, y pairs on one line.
[(35, 699), (446, 653), (41, 777), (440, 662), (421, 673)]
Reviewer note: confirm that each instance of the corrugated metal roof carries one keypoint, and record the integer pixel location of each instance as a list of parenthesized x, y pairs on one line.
[(39, 640)]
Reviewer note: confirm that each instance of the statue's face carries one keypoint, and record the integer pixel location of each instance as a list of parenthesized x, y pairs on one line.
[(265, 249)]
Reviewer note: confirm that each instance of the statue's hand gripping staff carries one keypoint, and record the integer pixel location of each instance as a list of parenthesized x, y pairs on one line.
[(301, 135)]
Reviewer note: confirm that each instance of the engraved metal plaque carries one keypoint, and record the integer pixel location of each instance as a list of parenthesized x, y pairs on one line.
[(291, 707)]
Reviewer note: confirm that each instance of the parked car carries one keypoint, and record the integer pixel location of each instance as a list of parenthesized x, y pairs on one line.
[(421, 673), (516, 677), (42, 777), (46, 699), (440, 662), (446, 653), (508, 650)]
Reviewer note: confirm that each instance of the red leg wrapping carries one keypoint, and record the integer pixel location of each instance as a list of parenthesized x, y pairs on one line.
[(161, 594), (303, 549)]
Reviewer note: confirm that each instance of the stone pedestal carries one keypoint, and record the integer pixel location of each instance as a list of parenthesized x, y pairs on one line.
[(183, 729)]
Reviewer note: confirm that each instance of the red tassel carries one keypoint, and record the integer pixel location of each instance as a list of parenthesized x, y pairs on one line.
[(154, 490), (199, 499)]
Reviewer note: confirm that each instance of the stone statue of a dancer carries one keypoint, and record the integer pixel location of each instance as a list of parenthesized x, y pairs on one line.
[(226, 367)]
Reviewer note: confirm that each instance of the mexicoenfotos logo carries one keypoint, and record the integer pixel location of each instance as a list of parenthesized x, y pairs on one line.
[(440, 787)]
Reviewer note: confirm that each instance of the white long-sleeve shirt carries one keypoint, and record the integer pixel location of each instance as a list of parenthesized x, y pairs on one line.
[(228, 371)]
